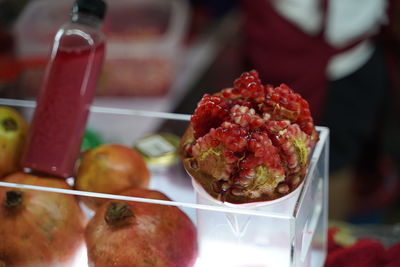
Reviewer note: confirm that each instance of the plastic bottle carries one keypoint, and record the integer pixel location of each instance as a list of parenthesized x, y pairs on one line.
[(68, 89)]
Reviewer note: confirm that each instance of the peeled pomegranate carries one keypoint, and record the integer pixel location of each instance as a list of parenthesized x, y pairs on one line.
[(12, 139), (111, 168), (250, 142), (39, 228), (140, 234)]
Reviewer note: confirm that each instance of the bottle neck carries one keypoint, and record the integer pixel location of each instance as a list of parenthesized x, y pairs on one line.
[(86, 19)]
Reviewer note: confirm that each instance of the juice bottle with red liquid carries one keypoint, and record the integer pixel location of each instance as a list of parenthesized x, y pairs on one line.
[(68, 89)]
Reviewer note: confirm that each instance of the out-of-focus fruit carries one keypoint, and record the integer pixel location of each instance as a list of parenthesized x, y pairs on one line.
[(39, 228), (250, 142), (13, 132), (111, 168), (140, 234)]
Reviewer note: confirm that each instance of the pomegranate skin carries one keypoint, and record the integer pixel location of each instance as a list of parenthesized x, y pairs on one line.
[(44, 228), (111, 168), (148, 235)]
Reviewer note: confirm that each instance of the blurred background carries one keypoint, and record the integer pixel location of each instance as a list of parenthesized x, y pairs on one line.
[(343, 56)]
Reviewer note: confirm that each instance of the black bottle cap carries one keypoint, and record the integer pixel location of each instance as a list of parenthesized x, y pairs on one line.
[(93, 7)]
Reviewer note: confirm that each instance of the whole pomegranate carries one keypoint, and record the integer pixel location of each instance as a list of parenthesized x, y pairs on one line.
[(39, 228), (140, 234), (13, 132), (250, 142), (111, 168)]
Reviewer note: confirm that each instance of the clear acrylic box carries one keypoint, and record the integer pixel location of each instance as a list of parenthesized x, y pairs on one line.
[(288, 232)]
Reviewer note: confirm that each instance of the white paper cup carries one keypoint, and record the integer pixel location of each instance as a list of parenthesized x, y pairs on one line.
[(259, 237)]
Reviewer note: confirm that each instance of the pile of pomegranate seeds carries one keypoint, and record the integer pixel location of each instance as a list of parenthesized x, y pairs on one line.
[(250, 142)]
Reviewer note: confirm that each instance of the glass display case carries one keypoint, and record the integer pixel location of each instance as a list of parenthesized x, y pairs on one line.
[(290, 231)]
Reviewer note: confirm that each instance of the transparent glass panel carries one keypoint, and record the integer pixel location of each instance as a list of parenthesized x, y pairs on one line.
[(311, 210)]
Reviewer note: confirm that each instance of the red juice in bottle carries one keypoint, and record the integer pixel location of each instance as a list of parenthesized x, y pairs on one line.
[(63, 105)]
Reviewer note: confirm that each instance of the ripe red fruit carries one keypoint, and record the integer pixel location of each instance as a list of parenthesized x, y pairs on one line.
[(211, 111), (250, 142), (140, 234), (39, 228), (368, 253), (393, 253)]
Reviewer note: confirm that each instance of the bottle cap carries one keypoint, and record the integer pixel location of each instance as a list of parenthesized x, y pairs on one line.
[(93, 7)]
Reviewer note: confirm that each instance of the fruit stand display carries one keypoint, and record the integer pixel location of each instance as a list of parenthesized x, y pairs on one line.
[(289, 232)]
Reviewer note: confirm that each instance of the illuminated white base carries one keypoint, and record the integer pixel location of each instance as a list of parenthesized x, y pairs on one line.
[(254, 256)]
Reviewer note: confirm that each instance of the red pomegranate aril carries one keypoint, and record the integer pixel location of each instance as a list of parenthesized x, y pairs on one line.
[(254, 73)]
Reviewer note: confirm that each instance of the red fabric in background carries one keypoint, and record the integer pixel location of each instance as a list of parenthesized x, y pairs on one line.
[(281, 52), (269, 47)]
